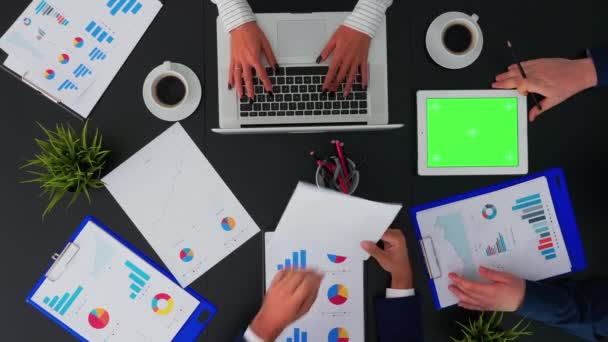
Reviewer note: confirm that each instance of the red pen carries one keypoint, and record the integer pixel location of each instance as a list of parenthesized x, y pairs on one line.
[(341, 156)]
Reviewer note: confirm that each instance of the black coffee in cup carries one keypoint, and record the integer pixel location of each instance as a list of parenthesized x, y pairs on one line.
[(170, 90), (457, 38)]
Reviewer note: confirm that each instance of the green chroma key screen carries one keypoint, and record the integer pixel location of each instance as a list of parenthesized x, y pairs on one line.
[(473, 132)]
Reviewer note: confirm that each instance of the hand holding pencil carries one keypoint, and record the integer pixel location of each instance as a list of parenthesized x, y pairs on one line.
[(557, 79)]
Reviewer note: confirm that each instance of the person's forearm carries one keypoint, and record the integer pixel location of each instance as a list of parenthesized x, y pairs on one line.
[(368, 15), (577, 307), (234, 13)]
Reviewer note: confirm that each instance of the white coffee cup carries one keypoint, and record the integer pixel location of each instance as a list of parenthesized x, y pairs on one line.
[(440, 53), (181, 108), (168, 70)]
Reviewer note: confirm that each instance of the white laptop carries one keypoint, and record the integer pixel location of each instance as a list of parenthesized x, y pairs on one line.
[(298, 104)]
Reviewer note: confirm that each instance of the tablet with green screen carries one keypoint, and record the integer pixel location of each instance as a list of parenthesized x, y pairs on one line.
[(468, 132)]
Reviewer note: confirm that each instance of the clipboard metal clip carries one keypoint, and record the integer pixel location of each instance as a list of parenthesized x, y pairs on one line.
[(35, 87), (430, 257), (62, 261)]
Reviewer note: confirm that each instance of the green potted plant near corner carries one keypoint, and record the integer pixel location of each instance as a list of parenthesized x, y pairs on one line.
[(490, 330), (67, 162)]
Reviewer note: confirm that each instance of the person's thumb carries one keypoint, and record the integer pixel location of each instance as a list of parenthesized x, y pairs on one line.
[(497, 276), (375, 251)]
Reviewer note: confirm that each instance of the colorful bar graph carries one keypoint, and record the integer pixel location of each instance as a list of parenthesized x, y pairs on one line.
[(297, 261), (139, 278), (46, 9), (124, 6), (533, 211), (499, 247), (62, 305)]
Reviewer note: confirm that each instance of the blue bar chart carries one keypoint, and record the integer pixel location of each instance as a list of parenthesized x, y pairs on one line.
[(46, 9), (297, 261), (67, 85), (532, 210), (138, 277), (124, 6), (97, 55), (298, 336), (100, 33), (62, 304), (81, 71)]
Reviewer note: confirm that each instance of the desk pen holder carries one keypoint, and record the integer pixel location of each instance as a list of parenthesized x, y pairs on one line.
[(330, 181)]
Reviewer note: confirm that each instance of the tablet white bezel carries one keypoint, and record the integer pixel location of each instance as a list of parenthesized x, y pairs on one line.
[(522, 133)]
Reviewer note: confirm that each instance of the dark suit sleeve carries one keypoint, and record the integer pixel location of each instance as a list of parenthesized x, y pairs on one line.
[(399, 319), (580, 308), (600, 60)]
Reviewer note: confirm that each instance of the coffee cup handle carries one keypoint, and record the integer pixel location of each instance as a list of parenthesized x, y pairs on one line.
[(475, 17), (168, 66)]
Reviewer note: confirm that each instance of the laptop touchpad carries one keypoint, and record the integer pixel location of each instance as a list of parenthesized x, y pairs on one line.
[(301, 38)]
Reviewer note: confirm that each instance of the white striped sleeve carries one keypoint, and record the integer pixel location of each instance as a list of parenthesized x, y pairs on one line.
[(368, 15), (234, 13)]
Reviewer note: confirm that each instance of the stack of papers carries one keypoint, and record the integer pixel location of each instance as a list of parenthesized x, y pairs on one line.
[(71, 50), (322, 230)]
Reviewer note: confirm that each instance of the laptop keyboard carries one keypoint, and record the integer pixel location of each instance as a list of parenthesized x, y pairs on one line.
[(298, 91)]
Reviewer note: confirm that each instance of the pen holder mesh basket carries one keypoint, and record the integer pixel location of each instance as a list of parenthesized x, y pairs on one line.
[(330, 181)]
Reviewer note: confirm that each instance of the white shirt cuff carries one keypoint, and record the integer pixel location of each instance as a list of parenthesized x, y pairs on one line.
[(368, 15), (250, 336), (400, 293), (234, 13)]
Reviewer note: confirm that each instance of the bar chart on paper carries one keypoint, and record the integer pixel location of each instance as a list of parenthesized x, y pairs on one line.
[(139, 278), (124, 6), (99, 32), (298, 336), (297, 261), (81, 71), (62, 304), (532, 210), (46, 9), (97, 55), (498, 247)]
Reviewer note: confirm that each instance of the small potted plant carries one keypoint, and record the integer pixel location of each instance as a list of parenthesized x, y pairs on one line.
[(67, 163), (491, 330)]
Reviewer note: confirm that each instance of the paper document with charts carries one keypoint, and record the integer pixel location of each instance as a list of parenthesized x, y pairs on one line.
[(180, 204), (71, 50), (514, 229), (109, 293), (338, 312)]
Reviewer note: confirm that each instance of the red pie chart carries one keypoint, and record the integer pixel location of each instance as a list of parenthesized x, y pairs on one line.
[(99, 318)]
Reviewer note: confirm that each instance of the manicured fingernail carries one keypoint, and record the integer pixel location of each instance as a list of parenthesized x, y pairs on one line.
[(319, 59), (251, 100), (276, 68), (270, 93), (229, 86)]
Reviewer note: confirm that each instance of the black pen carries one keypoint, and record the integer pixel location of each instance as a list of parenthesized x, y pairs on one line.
[(522, 72)]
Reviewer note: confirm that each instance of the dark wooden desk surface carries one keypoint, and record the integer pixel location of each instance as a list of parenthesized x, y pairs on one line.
[(571, 136)]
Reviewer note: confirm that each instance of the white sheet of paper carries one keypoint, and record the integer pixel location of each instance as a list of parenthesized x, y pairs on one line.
[(180, 204), (95, 296), (516, 235), (49, 28), (326, 317), (333, 221)]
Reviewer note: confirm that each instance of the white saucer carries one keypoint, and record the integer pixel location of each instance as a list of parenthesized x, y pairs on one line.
[(440, 54), (187, 106)]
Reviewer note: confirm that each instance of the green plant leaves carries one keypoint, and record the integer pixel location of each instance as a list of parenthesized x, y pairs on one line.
[(491, 330), (67, 162)]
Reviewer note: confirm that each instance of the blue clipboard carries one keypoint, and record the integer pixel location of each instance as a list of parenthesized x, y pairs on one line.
[(563, 209), (189, 332)]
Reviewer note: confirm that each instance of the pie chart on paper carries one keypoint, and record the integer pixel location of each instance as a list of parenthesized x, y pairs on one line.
[(337, 294), (99, 318), (338, 335), (228, 224), (336, 259)]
